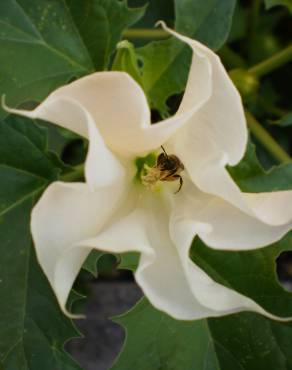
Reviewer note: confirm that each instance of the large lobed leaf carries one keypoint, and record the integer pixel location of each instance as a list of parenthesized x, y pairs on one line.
[(45, 43), (252, 178), (40, 49), (101, 23), (244, 341), (32, 328), (251, 273)]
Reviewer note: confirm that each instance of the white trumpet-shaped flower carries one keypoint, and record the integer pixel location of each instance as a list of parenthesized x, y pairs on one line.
[(129, 203)]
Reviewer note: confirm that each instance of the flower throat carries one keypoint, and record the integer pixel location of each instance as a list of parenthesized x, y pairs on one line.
[(166, 167)]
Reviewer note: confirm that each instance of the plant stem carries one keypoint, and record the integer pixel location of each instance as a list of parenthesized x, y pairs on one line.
[(268, 65), (76, 174), (266, 139), (145, 33)]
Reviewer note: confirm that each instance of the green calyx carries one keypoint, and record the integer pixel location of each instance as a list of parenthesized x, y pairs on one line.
[(126, 61)]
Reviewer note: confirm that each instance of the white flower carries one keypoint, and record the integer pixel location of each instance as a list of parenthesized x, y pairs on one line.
[(115, 210)]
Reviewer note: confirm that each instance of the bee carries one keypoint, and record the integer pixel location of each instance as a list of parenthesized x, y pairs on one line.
[(167, 168)]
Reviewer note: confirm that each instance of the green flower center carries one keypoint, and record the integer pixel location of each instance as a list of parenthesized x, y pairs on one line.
[(142, 163)]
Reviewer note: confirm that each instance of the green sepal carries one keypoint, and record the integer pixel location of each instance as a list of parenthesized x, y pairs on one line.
[(126, 61)]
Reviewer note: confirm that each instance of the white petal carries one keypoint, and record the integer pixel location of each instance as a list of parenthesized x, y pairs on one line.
[(167, 276), (274, 208), (161, 276), (222, 116), (197, 94), (215, 135), (101, 166), (119, 108), (235, 230), (160, 273), (65, 215), (230, 228), (221, 299), (114, 100), (209, 174)]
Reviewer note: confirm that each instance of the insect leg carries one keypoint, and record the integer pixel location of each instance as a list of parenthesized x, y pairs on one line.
[(180, 182)]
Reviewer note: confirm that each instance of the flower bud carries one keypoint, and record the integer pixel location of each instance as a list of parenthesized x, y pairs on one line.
[(246, 83)]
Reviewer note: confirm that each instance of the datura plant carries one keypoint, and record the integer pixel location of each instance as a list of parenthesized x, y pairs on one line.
[(152, 188), (162, 150)]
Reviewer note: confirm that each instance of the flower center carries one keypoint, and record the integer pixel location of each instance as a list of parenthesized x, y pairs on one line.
[(153, 169)]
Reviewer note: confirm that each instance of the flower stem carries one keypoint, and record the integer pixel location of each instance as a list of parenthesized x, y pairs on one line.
[(266, 139), (145, 33), (276, 61), (76, 174)]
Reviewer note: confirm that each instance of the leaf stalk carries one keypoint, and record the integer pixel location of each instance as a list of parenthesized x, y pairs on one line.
[(266, 139)]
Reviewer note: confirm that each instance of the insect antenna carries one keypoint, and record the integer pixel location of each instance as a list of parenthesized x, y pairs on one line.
[(164, 151)]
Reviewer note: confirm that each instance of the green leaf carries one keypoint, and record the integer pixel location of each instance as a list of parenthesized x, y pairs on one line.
[(129, 261), (91, 261), (41, 48), (156, 10), (166, 62), (244, 341), (239, 25), (32, 328), (285, 121), (101, 23), (252, 273), (251, 177), (272, 3)]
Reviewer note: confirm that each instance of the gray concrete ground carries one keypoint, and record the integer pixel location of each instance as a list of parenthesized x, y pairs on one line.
[(103, 339)]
